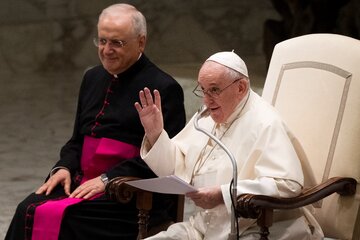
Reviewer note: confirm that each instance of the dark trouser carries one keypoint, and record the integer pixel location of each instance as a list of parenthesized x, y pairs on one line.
[(96, 219)]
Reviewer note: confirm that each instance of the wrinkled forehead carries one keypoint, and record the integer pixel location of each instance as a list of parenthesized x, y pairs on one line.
[(213, 72)]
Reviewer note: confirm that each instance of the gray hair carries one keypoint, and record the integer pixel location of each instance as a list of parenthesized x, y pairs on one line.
[(234, 75), (138, 19)]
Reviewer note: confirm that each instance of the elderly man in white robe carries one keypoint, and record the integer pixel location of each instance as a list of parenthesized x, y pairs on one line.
[(256, 135)]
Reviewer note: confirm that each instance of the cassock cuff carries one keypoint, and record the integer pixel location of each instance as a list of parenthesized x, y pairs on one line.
[(153, 155), (225, 190), (54, 170)]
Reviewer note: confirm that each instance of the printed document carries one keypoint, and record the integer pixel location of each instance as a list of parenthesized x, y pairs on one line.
[(169, 184)]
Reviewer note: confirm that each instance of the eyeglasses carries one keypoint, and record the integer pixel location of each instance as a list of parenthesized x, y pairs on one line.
[(113, 43), (213, 92)]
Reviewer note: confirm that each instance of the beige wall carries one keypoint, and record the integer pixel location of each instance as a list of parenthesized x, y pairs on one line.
[(55, 36)]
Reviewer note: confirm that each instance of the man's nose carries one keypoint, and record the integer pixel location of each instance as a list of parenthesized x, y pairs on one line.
[(108, 48), (207, 99)]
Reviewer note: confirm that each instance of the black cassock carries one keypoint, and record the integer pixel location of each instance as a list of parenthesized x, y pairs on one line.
[(106, 109)]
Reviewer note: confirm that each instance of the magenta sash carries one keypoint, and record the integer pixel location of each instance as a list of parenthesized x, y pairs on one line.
[(98, 155)]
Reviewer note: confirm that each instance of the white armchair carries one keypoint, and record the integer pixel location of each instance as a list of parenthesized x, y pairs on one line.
[(314, 82)]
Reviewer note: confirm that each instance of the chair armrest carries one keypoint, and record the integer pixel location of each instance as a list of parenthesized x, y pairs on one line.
[(119, 191), (261, 207), (250, 205)]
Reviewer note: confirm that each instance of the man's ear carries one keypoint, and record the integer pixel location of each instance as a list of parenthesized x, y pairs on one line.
[(142, 43), (243, 85)]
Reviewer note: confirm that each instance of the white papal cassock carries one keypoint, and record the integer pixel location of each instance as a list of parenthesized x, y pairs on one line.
[(267, 164)]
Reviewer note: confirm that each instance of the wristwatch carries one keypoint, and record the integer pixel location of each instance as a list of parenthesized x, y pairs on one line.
[(104, 179)]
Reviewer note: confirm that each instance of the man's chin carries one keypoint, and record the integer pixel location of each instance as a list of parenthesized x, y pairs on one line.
[(111, 69)]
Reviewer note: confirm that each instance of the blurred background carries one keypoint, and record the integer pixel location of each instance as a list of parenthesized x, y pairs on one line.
[(46, 45)]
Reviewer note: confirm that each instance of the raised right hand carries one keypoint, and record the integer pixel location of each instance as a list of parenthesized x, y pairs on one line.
[(150, 114)]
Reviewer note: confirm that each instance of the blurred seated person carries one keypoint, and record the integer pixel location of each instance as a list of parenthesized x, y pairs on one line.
[(105, 143), (252, 130)]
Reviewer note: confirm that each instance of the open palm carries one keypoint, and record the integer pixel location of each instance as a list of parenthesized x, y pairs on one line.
[(150, 114)]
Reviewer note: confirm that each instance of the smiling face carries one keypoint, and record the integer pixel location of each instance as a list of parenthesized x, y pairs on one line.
[(213, 75), (119, 26)]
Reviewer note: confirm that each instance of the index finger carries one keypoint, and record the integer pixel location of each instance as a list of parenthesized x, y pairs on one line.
[(50, 187), (41, 189)]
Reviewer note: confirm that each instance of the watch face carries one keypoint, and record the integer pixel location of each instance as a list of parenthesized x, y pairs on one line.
[(104, 178)]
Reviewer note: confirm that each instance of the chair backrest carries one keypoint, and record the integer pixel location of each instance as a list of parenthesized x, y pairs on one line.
[(314, 82)]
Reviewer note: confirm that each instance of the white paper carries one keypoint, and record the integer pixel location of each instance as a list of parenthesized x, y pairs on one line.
[(169, 184)]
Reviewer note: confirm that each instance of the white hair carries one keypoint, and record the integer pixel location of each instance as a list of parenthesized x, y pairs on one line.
[(138, 19)]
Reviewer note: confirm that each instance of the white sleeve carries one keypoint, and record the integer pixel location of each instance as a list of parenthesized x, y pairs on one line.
[(161, 156)]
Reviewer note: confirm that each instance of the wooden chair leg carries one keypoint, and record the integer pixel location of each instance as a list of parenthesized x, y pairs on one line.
[(264, 233), (143, 224), (264, 222), (144, 205)]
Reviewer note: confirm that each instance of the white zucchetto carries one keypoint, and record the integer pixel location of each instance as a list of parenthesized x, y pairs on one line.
[(230, 60)]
